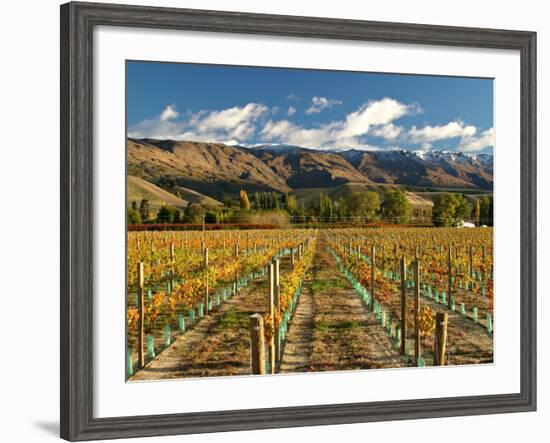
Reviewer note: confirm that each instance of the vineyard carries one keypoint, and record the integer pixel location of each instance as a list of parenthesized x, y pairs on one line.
[(229, 302)]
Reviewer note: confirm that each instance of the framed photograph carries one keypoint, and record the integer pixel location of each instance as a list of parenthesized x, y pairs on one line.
[(273, 221)]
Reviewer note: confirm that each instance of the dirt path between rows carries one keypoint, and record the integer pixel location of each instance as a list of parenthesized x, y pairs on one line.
[(332, 330), (467, 343), (219, 345), (298, 346)]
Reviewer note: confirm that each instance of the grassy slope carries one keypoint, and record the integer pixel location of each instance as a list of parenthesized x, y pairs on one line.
[(196, 197), (418, 196), (139, 189)]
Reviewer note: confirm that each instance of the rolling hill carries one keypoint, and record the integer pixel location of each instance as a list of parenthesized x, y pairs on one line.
[(309, 168), (212, 169), (180, 172), (310, 196), (138, 189)]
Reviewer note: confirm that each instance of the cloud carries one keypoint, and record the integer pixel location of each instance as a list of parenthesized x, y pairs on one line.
[(374, 113), (285, 131), (168, 113), (476, 143), (443, 132), (229, 125), (293, 96), (349, 132), (320, 103), (388, 132), (255, 122)]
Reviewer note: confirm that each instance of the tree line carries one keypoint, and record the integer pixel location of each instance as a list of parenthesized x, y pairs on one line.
[(393, 206)]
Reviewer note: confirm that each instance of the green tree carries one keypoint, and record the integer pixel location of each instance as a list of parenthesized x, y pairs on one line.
[(396, 207), (326, 208), (176, 215), (133, 217), (135, 206), (477, 212), (144, 212), (486, 210), (193, 213), (363, 204), (275, 200), (243, 198), (211, 217), (164, 215), (301, 214), (341, 208), (449, 209)]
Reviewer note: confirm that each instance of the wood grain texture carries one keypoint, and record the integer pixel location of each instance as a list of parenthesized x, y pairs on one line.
[(77, 24)]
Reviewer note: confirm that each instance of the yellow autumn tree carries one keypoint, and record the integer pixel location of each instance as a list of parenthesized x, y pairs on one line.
[(243, 197)]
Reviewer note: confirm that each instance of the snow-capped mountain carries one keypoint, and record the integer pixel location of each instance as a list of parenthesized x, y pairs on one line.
[(286, 167)]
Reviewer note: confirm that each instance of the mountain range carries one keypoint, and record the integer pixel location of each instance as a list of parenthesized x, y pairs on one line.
[(208, 172)]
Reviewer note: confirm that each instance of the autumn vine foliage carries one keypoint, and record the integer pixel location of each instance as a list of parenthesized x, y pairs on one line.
[(176, 277), (289, 283), (468, 252)]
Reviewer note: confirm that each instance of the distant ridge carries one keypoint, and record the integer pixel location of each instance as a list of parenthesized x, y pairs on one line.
[(199, 171)]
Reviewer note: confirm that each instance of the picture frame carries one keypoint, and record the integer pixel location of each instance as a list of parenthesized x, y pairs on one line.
[(78, 21)]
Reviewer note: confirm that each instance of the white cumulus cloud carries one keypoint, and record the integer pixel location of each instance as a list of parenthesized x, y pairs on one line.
[(373, 113), (168, 113), (342, 133), (388, 132), (227, 125), (442, 132), (476, 143), (291, 111), (320, 103)]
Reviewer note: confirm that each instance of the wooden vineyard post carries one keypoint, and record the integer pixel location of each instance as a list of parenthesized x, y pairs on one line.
[(141, 308), (417, 350), (206, 290), (372, 266), (396, 259), (441, 320), (237, 273), (257, 344), (292, 260), (271, 311), (449, 277), (172, 262), (471, 261), (277, 309), (403, 267)]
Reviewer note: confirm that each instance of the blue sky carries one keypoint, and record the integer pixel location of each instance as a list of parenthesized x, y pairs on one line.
[(310, 108)]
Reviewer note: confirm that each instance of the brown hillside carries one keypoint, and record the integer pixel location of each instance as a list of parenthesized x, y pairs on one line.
[(212, 169), (309, 168)]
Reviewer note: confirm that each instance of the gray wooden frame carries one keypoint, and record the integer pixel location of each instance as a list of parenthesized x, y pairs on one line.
[(77, 24)]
